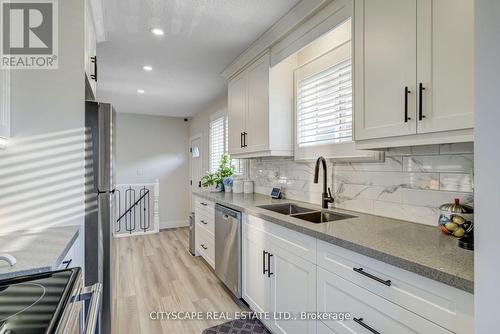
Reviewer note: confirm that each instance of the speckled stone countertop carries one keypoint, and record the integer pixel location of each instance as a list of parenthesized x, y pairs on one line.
[(418, 248), (36, 252)]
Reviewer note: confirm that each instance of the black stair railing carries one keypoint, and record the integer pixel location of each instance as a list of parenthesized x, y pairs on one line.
[(130, 215)]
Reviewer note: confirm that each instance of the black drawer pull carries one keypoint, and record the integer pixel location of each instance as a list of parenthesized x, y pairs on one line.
[(364, 273), (360, 322), (203, 222), (204, 204), (269, 273), (407, 91), (264, 270), (204, 247), (421, 89)]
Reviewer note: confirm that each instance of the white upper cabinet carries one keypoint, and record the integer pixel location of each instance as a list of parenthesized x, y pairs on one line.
[(257, 116), (90, 51), (445, 65), (387, 65), (260, 110), (237, 104), (413, 72)]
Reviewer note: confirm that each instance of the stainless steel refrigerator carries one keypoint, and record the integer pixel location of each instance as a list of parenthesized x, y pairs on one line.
[(99, 202)]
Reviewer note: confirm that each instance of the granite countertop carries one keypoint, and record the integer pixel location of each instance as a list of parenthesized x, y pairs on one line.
[(418, 248), (36, 251)]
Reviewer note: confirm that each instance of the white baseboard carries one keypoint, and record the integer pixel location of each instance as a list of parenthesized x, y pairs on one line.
[(174, 223)]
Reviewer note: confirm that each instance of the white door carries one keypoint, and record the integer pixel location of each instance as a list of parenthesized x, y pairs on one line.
[(293, 289), (257, 118), (256, 285), (237, 108), (196, 166), (385, 51), (445, 65)]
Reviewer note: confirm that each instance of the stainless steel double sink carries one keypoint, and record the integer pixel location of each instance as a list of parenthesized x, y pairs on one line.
[(310, 215)]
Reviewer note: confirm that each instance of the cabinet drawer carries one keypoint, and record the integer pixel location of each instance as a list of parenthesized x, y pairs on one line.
[(205, 220), (336, 294), (294, 242), (205, 244), (205, 206), (437, 302)]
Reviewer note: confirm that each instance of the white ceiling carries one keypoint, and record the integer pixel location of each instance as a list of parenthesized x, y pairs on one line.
[(201, 38)]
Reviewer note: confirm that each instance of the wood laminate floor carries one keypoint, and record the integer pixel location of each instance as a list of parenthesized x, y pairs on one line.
[(156, 273)]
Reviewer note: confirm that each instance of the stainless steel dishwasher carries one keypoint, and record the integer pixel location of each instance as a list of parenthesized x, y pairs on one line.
[(228, 248)]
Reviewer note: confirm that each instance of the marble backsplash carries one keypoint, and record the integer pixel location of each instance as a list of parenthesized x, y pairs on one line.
[(410, 184)]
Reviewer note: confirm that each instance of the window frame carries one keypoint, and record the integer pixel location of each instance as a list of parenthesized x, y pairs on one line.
[(242, 172), (336, 151)]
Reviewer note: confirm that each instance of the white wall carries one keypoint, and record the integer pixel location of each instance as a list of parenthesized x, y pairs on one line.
[(41, 171), (487, 160), (199, 124), (156, 147)]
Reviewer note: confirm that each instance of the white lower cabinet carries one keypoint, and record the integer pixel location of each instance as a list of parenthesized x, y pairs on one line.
[(205, 230), (279, 282), (256, 285), (293, 290), (369, 312), (287, 272)]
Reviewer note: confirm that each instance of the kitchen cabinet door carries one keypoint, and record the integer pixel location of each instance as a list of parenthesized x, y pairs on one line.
[(445, 65), (257, 117), (90, 50), (256, 285), (237, 109), (384, 65), (293, 289), (5, 93)]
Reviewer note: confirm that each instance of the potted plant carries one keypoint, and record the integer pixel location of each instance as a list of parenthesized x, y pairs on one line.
[(216, 180)]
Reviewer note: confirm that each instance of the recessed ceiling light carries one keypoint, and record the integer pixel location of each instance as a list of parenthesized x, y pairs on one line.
[(157, 31), (140, 91), (147, 68)]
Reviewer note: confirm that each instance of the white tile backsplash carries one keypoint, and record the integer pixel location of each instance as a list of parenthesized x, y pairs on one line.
[(410, 184)]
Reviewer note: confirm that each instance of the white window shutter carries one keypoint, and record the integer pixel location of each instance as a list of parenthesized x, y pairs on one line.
[(324, 106), (217, 142)]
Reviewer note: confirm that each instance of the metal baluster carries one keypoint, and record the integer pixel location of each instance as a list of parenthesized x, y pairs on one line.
[(119, 222)]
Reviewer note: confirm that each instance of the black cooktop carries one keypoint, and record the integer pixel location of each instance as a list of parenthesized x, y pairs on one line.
[(33, 304)]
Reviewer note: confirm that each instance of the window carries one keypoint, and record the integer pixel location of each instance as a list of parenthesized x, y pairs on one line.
[(219, 144), (324, 106), (324, 101)]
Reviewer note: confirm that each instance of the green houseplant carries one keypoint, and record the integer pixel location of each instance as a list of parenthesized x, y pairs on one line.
[(216, 179)]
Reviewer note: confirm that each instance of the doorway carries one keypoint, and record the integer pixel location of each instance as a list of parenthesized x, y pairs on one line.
[(196, 165)]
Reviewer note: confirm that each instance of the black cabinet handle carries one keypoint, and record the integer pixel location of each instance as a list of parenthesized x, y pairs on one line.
[(204, 204), (94, 61), (245, 139), (264, 270), (241, 139), (407, 91), (364, 273), (204, 247), (67, 263), (269, 273), (360, 322), (203, 222), (421, 89)]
